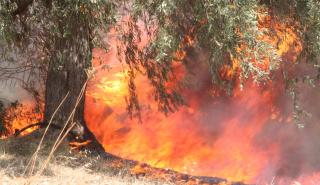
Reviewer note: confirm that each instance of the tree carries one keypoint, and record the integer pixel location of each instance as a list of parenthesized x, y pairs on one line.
[(220, 28), (65, 32)]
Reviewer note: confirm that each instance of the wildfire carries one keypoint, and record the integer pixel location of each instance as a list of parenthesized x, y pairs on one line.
[(19, 116), (280, 35), (238, 137), (211, 136)]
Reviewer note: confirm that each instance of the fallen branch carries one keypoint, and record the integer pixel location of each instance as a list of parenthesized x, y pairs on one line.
[(18, 132), (40, 124)]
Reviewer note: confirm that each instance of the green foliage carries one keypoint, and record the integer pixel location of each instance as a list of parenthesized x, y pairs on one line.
[(224, 20), (157, 68), (216, 26), (220, 27), (96, 14), (44, 22), (312, 33), (6, 20)]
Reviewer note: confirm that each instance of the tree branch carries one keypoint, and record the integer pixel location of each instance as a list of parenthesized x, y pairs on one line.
[(18, 132)]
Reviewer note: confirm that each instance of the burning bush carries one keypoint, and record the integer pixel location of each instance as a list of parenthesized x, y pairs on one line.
[(249, 136), (17, 116)]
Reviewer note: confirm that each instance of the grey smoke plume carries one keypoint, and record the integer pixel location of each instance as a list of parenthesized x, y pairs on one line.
[(21, 74)]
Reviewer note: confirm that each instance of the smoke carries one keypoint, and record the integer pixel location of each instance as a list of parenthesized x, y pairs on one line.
[(11, 89), (21, 75), (250, 136), (296, 150), (10, 93)]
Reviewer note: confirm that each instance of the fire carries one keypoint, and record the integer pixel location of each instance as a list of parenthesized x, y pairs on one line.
[(280, 35), (283, 36), (178, 141), (78, 145), (19, 116), (213, 135)]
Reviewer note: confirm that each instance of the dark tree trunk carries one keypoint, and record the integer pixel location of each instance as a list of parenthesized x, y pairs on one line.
[(71, 56)]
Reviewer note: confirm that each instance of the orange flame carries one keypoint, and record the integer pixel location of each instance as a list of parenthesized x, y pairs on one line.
[(19, 117), (212, 136), (280, 35)]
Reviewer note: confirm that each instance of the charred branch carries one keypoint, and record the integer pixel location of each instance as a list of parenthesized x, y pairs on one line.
[(39, 124), (18, 132)]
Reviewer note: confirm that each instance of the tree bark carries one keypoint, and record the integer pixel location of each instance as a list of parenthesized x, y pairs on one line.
[(70, 57)]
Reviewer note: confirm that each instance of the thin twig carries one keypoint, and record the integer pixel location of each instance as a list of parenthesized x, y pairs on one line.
[(35, 155), (62, 137)]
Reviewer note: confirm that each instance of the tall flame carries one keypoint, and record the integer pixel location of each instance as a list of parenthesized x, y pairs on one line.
[(213, 136), (241, 137)]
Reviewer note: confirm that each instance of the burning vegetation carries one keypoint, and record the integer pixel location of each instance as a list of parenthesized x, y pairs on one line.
[(249, 136), (17, 117), (246, 133)]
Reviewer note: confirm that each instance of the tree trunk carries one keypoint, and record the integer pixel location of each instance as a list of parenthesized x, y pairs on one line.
[(71, 56)]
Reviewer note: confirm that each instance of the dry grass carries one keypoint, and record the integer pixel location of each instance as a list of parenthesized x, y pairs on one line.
[(65, 167), (42, 158), (66, 175)]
